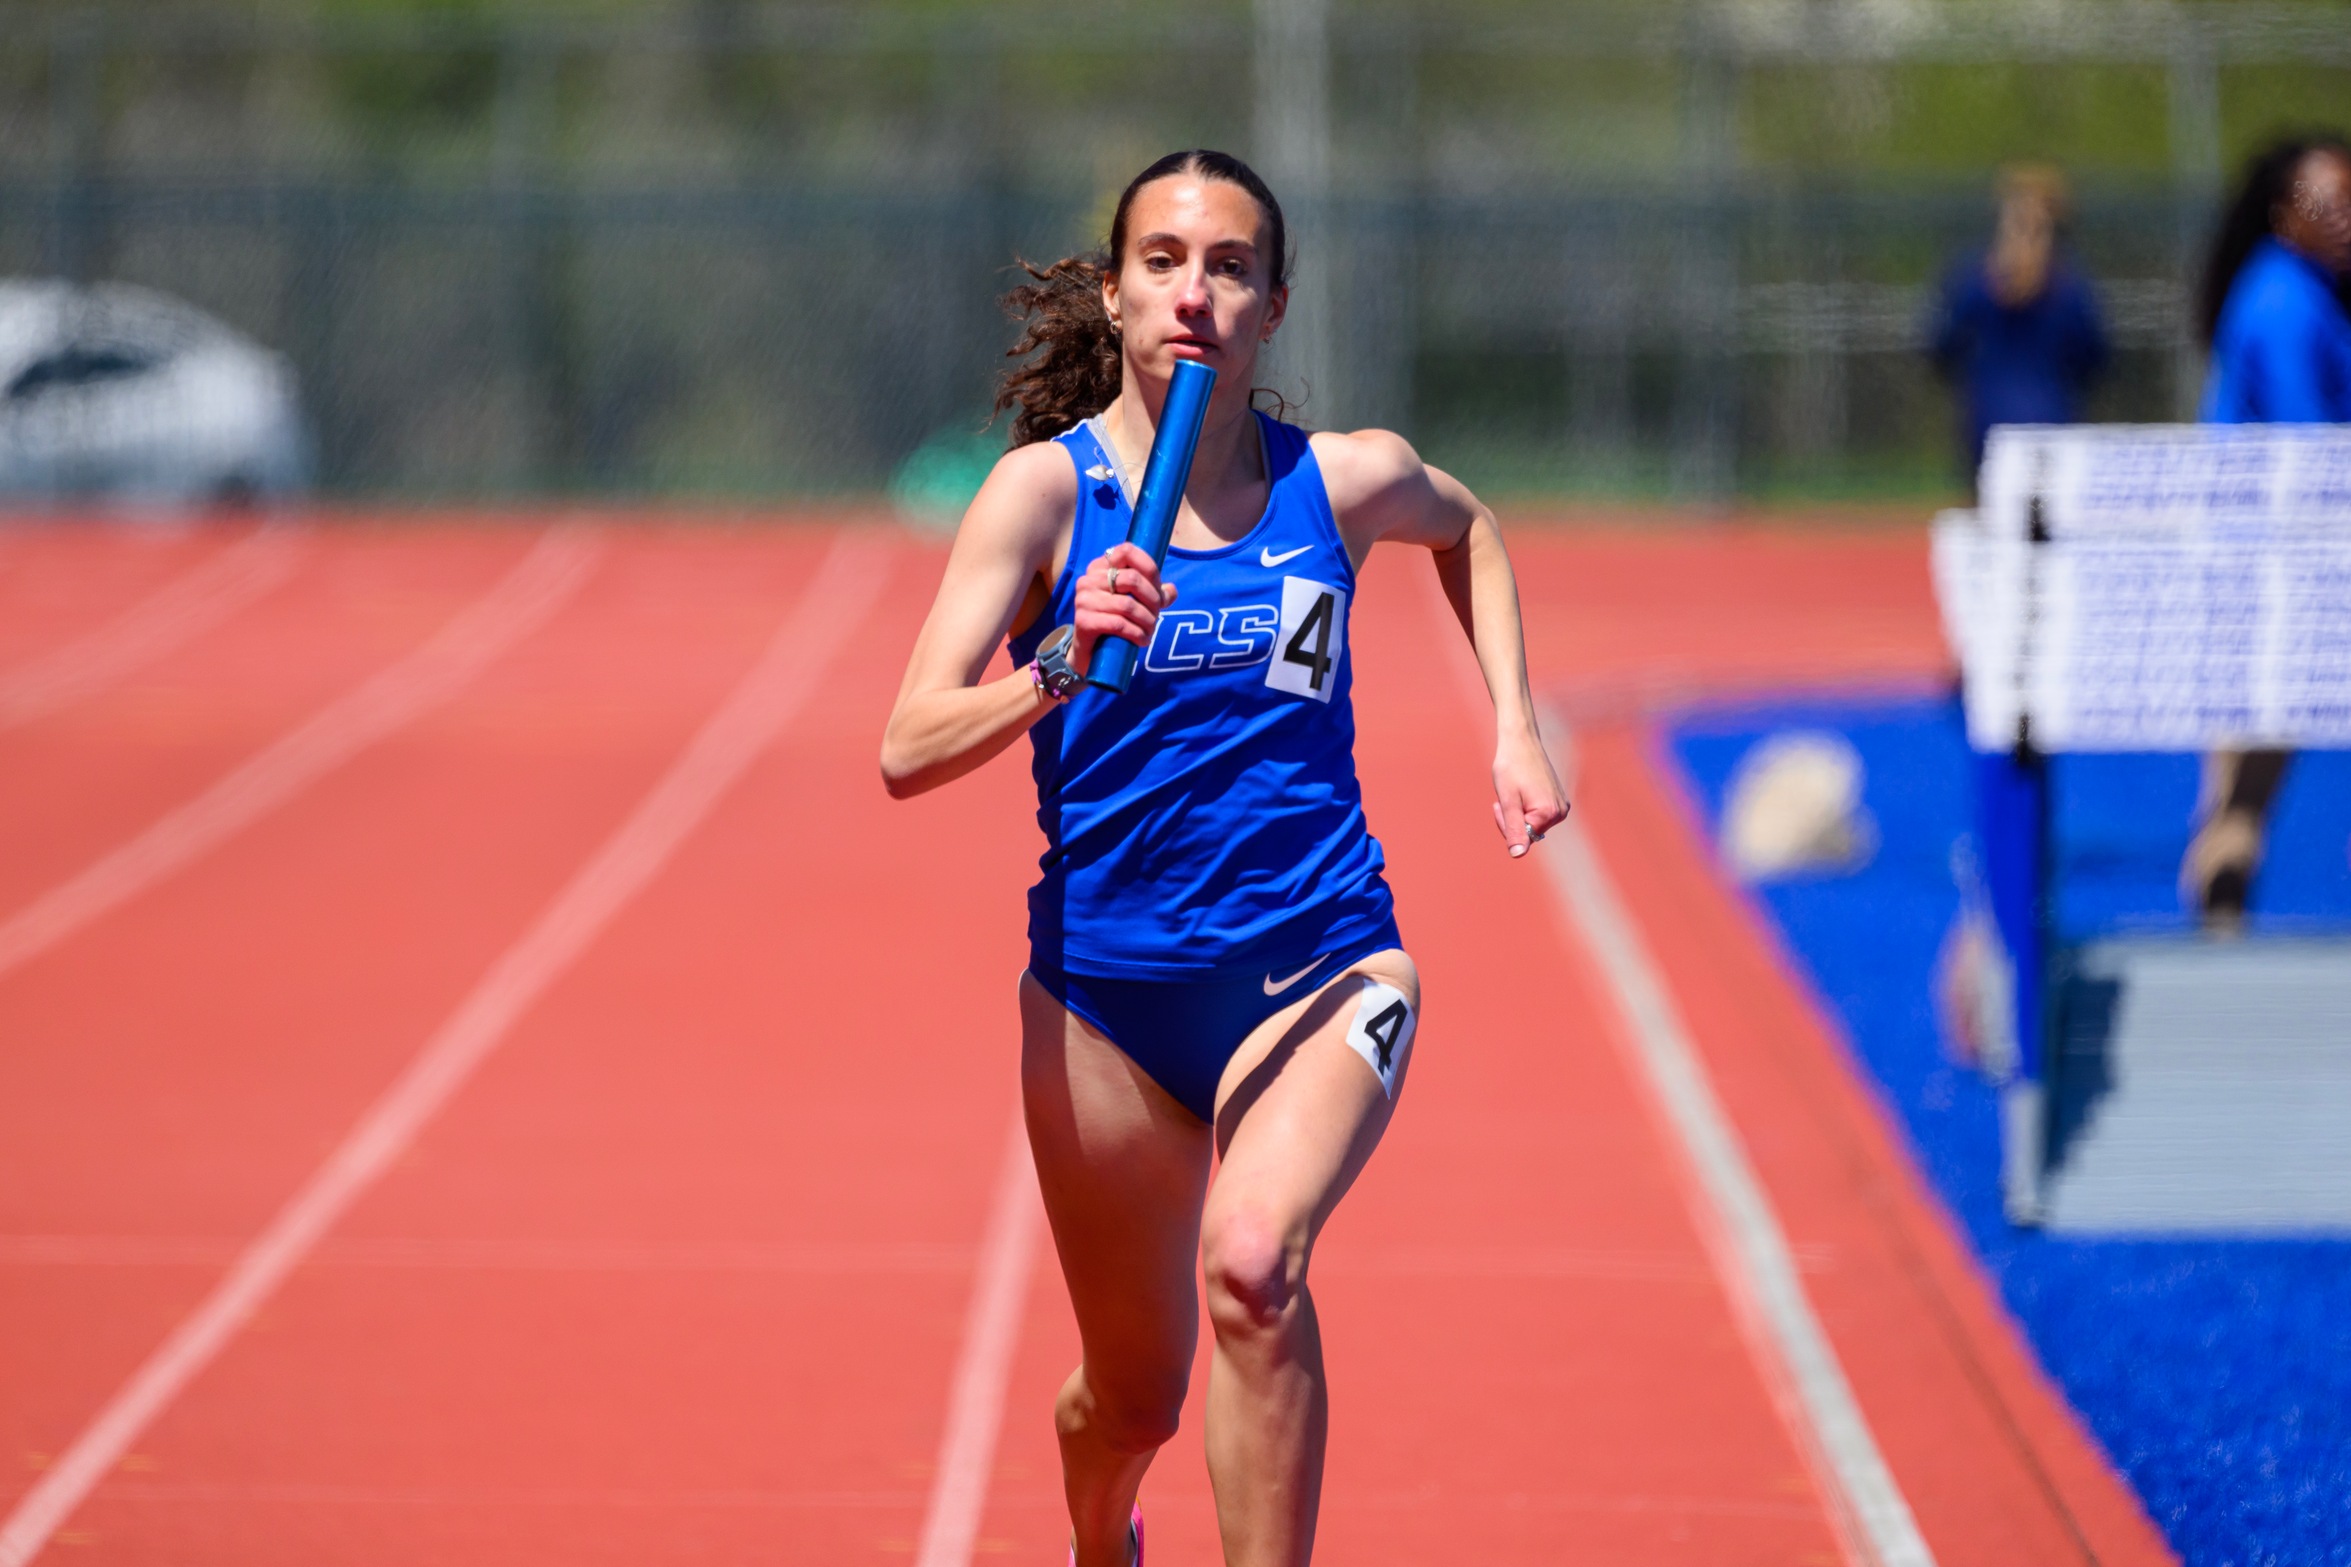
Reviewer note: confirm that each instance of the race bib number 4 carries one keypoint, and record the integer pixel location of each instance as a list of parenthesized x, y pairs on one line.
[(1382, 1031), (1311, 639)]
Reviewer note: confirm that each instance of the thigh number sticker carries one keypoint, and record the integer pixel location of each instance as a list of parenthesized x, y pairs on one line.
[(1310, 640), (1382, 1031)]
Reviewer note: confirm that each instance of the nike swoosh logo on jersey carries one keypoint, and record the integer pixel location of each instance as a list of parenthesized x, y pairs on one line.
[(1275, 987), (1269, 558)]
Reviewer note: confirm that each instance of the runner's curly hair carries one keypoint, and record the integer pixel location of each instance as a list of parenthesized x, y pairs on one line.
[(1074, 373)]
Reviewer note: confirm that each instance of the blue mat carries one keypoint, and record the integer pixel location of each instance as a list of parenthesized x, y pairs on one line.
[(2216, 1373)]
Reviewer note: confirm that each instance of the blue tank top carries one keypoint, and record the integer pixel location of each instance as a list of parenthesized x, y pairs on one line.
[(1208, 819)]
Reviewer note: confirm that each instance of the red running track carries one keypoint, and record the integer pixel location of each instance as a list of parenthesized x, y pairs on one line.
[(682, 1271)]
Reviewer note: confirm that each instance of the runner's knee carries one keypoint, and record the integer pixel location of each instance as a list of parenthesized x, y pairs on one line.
[(1253, 1270), (1126, 1414)]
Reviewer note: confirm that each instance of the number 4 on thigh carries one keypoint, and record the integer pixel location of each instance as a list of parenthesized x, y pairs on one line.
[(1381, 1031)]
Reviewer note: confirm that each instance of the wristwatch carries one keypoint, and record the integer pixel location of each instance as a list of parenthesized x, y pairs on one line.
[(1054, 674)]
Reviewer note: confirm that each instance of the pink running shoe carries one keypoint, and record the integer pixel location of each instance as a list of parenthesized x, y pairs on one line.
[(1134, 1532)]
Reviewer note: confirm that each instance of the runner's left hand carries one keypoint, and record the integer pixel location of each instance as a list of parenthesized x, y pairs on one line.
[(1528, 801)]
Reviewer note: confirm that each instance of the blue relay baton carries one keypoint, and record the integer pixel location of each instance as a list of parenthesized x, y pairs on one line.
[(1164, 477)]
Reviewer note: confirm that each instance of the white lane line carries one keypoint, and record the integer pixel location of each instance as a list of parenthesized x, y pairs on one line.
[(1735, 1220), (1742, 1233), (521, 602), (766, 699), (181, 609), (991, 1333)]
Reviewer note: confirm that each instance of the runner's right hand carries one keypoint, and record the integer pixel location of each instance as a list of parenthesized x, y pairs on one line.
[(1131, 611)]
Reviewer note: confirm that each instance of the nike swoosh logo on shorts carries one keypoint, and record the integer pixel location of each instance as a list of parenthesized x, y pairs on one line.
[(1275, 987), (1266, 557)]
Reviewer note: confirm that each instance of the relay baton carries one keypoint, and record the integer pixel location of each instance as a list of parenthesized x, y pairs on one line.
[(1164, 477)]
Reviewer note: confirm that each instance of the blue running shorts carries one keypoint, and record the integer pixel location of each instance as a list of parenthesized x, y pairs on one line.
[(1184, 1032)]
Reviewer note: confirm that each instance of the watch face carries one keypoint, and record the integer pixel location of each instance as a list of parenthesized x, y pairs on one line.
[(1053, 661)]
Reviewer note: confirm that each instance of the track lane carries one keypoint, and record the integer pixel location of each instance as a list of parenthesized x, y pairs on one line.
[(518, 604), (186, 606), (769, 1061), (85, 780), (756, 707), (277, 983), (1622, 622), (62, 580)]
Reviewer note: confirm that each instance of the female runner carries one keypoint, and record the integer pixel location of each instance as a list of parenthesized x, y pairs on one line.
[(1214, 963)]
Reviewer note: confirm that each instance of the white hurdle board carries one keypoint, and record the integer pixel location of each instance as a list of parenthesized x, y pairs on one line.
[(2224, 482), (2161, 588), (2154, 588)]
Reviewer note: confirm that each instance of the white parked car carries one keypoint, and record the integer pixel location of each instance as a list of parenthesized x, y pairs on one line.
[(123, 393)]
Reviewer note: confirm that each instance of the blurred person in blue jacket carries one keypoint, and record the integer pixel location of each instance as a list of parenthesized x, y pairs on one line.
[(2017, 326), (2272, 309)]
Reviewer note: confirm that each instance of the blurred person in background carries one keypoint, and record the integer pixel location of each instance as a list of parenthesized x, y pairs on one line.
[(2272, 309), (2017, 327)]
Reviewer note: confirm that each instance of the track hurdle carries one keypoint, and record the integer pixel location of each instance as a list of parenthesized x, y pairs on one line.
[(2148, 589)]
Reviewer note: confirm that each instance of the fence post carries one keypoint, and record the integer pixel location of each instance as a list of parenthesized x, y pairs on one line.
[(540, 343), (1705, 275), (315, 210), (2192, 88), (1601, 302), (1384, 238), (1819, 313), (968, 84), (76, 137), (1292, 134)]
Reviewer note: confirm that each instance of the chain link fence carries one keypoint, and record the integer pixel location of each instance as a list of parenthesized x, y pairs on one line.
[(741, 251)]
